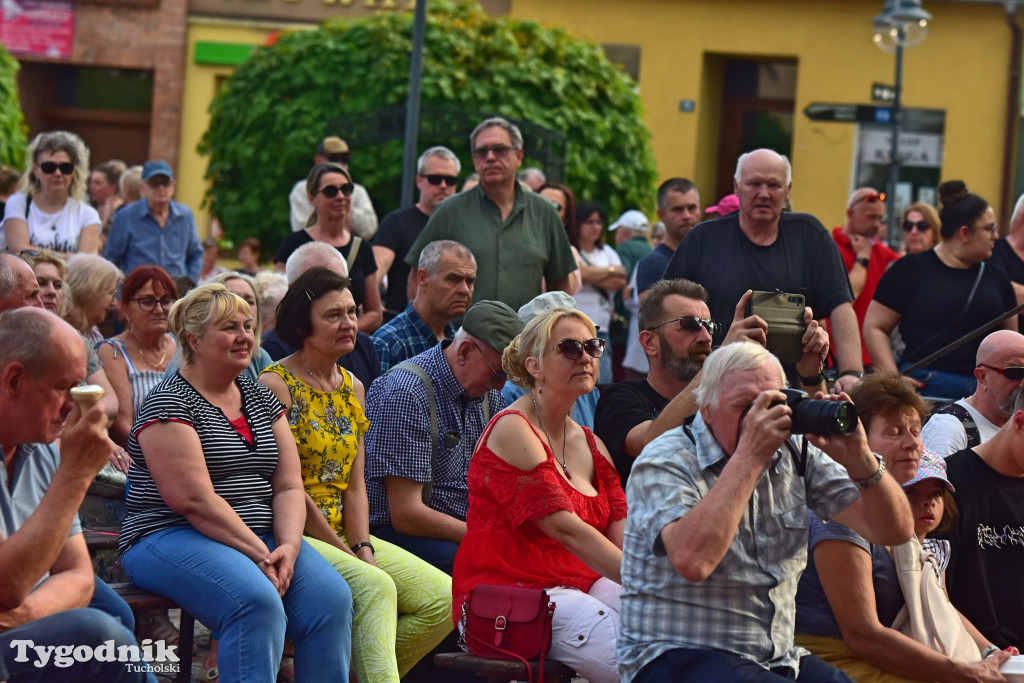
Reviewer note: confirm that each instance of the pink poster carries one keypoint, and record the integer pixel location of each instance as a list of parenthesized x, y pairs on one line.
[(40, 28)]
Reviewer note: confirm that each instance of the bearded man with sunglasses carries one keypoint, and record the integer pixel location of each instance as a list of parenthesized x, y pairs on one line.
[(866, 259), (973, 420), (515, 235)]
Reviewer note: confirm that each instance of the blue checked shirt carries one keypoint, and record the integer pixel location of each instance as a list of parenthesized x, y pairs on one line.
[(405, 336), (748, 604), (398, 443)]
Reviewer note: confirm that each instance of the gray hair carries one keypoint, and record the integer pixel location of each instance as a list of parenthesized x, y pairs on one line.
[(531, 172), (440, 152), (128, 183), (313, 254), (1018, 212), (734, 357), (58, 141), (8, 276), (430, 257), (25, 335), (743, 158), (513, 132)]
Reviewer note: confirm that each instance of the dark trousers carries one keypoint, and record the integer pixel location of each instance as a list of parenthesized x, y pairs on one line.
[(684, 665)]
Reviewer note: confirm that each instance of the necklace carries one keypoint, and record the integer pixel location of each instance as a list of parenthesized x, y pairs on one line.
[(310, 372), (163, 355), (568, 474)]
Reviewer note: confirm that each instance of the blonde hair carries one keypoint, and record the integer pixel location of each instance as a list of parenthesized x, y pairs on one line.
[(203, 306), (534, 340), (44, 256), (89, 277), (58, 141), (257, 329)]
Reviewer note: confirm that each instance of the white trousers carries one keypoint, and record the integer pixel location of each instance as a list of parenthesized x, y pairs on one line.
[(584, 630)]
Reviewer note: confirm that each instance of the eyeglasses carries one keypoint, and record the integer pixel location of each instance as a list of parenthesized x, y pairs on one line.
[(499, 151), (339, 158), (919, 226), (496, 375), (573, 350), (148, 303), (870, 198), (691, 323), (1013, 373), (51, 167), (331, 191), (990, 228), (437, 179)]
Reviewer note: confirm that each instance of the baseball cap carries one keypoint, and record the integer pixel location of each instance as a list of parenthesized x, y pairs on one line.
[(544, 302), (333, 145), (158, 167), (932, 466), (632, 219), (726, 204), (493, 323)]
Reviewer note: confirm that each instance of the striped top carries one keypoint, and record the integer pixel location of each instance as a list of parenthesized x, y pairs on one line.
[(141, 381), (240, 471)]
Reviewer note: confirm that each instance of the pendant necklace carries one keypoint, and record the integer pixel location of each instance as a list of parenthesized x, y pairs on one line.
[(565, 468), (163, 356), (310, 372)]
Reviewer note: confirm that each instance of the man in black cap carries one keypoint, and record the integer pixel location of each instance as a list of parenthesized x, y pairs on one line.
[(425, 418)]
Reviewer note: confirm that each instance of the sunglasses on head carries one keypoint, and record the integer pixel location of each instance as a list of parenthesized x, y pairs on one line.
[(691, 323), (919, 226), (437, 179), (331, 191), (1013, 373), (573, 350), (870, 198), (51, 167)]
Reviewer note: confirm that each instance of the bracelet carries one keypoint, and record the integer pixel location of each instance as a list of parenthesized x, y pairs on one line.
[(813, 379), (874, 478), (989, 650), (852, 373), (364, 544)]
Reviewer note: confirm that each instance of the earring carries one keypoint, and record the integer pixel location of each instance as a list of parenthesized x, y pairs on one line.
[(540, 388)]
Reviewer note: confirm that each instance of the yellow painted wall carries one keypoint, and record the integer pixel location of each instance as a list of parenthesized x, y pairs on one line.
[(961, 68)]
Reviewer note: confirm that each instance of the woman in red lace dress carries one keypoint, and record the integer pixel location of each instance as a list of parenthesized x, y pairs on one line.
[(546, 509)]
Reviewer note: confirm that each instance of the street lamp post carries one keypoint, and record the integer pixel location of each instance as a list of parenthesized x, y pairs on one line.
[(902, 24)]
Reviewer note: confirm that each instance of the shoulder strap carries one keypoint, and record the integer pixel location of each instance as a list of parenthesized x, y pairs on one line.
[(353, 251), (28, 205), (966, 419), (428, 487)]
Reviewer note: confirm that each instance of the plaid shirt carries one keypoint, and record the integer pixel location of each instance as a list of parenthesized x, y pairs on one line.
[(748, 603), (405, 336), (399, 441)]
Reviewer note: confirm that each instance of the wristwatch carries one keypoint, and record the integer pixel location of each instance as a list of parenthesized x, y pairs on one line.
[(864, 262), (874, 478)]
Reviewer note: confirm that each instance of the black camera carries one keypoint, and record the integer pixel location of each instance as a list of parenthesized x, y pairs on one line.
[(818, 416)]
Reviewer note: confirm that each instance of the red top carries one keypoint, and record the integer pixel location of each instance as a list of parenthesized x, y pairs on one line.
[(878, 263), (502, 546)]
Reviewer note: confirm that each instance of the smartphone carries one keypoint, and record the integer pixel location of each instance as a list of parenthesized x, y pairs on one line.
[(784, 314)]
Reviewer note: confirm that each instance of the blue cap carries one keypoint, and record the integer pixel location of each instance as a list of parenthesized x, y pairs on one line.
[(158, 167)]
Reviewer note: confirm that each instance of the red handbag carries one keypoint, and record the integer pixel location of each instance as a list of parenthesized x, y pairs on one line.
[(508, 622)]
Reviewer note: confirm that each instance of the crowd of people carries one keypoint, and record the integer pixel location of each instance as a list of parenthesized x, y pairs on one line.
[(323, 459)]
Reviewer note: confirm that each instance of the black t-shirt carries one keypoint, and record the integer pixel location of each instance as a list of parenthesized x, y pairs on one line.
[(929, 296), (398, 231), (621, 407), (803, 259), (1006, 258), (363, 267), (986, 565)]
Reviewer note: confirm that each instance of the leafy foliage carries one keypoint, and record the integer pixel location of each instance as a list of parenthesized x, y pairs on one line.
[(269, 116), (12, 122)]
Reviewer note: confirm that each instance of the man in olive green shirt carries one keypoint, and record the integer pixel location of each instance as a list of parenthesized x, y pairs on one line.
[(515, 235)]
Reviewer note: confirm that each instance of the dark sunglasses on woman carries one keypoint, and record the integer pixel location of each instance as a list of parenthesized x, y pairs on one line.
[(50, 167), (573, 350), (331, 191), (919, 226)]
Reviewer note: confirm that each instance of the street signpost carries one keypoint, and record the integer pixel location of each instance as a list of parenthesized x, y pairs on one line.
[(848, 113)]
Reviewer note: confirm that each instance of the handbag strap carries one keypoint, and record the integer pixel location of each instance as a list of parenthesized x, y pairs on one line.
[(516, 655), (967, 306), (353, 251)]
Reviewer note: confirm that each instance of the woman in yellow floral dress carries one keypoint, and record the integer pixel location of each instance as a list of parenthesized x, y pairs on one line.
[(402, 605)]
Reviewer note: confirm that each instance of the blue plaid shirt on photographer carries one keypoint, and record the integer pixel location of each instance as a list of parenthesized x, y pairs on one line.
[(405, 336), (399, 443), (747, 605)]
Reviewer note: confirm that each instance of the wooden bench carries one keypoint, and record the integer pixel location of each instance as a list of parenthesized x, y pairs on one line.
[(142, 601), (503, 670)]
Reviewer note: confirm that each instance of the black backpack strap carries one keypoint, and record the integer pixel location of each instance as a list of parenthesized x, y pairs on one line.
[(966, 419)]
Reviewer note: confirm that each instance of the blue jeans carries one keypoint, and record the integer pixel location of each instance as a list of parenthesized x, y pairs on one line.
[(435, 552), (685, 664), (106, 600), (225, 590), (939, 384), (74, 627)]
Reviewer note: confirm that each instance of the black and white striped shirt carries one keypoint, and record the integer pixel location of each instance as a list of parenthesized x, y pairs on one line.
[(240, 471)]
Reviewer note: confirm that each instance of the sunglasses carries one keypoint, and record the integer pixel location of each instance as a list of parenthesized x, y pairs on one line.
[(148, 303), (1013, 373), (573, 350), (499, 151), (51, 167), (496, 375), (437, 179), (331, 191), (340, 158), (919, 226), (691, 323), (870, 198)]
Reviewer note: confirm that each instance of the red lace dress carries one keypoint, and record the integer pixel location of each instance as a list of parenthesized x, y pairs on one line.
[(502, 546)]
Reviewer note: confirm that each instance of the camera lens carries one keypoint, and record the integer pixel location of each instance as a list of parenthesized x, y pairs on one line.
[(816, 416)]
